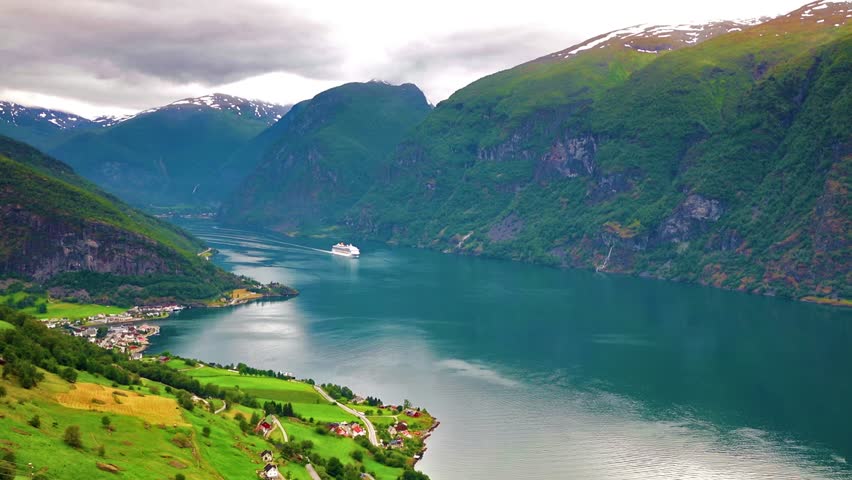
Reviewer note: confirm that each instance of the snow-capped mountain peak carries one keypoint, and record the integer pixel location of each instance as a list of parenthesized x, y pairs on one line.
[(648, 38), (110, 120), (21, 115), (270, 112)]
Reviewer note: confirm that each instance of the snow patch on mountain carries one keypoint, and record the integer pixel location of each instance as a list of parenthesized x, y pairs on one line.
[(271, 112), (650, 38), (24, 116)]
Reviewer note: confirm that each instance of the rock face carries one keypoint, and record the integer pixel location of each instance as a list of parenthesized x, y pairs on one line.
[(690, 219), (569, 157), (53, 222), (49, 246)]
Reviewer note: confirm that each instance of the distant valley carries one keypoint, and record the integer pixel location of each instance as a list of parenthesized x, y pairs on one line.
[(715, 153)]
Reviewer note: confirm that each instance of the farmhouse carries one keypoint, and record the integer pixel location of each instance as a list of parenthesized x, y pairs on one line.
[(263, 427), (266, 456), (270, 472)]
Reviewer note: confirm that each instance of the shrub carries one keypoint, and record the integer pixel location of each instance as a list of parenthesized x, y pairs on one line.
[(73, 438), (35, 422), (101, 451), (105, 421), (205, 431), (68, 374)]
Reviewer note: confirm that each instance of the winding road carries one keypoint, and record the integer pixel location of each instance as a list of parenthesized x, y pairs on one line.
[(278, 424), (371, 430)]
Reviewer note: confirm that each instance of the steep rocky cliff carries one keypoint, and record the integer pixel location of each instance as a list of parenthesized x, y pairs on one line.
[(716, 154), (56, 226)]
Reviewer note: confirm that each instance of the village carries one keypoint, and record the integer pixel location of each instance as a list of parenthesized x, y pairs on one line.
[(129, 339), (114, 332)]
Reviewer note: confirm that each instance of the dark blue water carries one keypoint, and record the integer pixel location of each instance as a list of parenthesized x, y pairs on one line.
[(543, 373)]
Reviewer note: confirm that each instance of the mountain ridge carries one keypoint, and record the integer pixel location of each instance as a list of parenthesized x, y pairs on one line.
[(677, 165)]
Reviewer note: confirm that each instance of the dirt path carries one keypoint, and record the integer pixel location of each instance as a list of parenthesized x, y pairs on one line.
[(222, 408), (313, 473), (278, 424), (371, 430)]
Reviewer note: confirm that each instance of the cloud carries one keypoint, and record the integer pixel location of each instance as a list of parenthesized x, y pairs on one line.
[(121, 51), (444, 63), (117, 56)]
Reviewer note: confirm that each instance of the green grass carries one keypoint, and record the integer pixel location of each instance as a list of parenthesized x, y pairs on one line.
[(5, 325), (142, 451), (306, 401), (57, 309)]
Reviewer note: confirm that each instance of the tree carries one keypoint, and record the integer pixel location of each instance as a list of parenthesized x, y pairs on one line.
[(41, 308), (358, 455), (205, 431), (35, 422), (180, 476), (101, 451), (102, 332), (105, 421), (73, 438), (334, 468), (68, 374), (413, 475)]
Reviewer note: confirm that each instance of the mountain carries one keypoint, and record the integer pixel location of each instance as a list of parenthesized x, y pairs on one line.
[(324, 155), (59, 230), (41, 127), (717, 154), (173, 154)]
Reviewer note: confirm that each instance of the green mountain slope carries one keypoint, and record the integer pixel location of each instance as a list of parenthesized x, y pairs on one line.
[(324, 155), (59, 230), (174, 154), (721, 159)]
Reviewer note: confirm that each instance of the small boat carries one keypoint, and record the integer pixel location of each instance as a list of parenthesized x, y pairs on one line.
[(345, 250)]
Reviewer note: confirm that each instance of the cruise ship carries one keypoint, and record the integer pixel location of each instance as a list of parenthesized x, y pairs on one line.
[(346, 250)]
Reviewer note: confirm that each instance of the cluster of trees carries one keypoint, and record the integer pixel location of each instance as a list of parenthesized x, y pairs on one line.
[(247, 370), (337, 392), (282, 410)]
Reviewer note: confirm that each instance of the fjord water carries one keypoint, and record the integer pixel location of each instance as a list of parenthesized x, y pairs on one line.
[(539, 373)]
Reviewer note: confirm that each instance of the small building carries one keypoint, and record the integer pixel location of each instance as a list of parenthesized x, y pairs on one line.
[(412, 413), (263, 427), (136, 356), (266, 456), (271, 472), (396, 443), (357, 431)]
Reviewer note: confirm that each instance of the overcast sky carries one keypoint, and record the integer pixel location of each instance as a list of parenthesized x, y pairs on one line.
[(119, 56)]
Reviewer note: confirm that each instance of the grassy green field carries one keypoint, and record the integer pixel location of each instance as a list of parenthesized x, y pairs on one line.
[(141, 450), (71, 311), (5, 325), (306, 401)]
